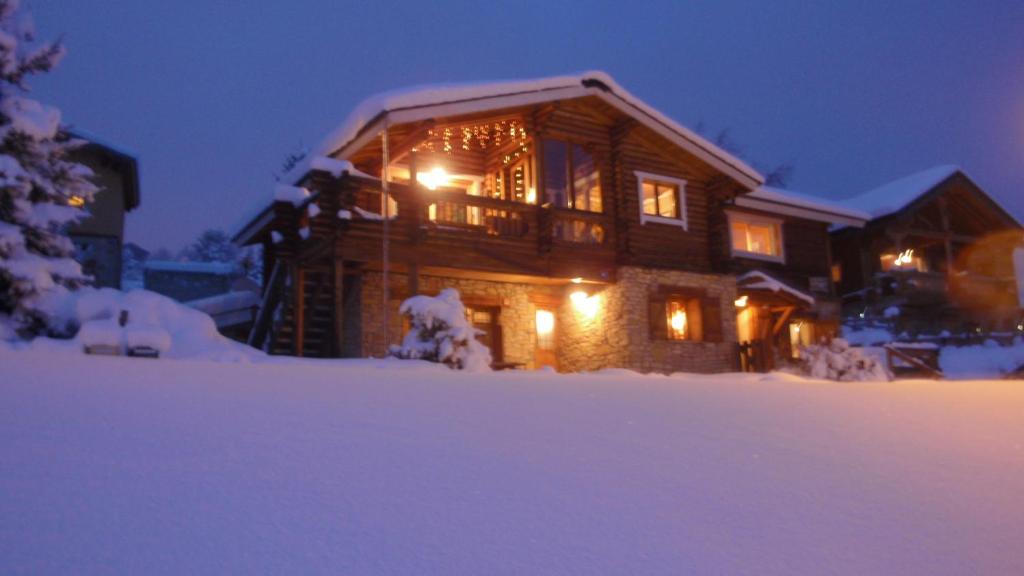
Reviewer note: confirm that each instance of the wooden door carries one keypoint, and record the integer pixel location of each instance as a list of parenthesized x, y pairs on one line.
[(485, 319)]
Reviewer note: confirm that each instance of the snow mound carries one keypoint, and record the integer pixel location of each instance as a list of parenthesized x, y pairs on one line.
[(94, 317), (440, 332), (983, 361), (838, 361)]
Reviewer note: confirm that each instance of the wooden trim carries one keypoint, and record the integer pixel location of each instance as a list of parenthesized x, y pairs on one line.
[(545, 300)]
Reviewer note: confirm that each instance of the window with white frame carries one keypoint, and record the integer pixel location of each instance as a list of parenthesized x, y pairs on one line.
[(755, 236), (662, 199)]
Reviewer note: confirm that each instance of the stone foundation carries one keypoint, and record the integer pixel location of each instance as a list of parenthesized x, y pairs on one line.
[(516, 318), (617, 335)]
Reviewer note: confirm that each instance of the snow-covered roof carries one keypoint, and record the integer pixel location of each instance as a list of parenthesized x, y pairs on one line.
[(791, 203), (757, 280), (223, 268), (421, 102), (896, 195), (227, 302)]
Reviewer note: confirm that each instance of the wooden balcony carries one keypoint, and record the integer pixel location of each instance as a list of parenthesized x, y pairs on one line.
[(450, 227)]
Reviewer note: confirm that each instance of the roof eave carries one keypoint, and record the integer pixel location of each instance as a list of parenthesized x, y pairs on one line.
[(705, 151)]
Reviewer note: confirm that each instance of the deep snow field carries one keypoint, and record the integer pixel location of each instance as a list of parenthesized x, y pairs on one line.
[(131, 466)]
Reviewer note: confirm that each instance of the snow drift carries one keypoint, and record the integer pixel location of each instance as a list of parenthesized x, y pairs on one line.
[(93, 317), (119, 465)]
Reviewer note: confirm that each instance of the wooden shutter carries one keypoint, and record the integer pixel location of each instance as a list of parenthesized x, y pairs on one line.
[(712, 321), (657, 316)]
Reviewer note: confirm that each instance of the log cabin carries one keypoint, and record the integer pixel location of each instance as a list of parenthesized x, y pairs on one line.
[(936, 253), (583, 229)]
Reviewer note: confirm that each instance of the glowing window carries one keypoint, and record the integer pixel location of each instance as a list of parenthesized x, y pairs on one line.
[(678, 317), (545, 324), (905, 260), (662, 199), (755, 237)]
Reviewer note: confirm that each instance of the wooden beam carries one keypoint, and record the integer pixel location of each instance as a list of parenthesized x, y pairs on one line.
[(782, 320), (339, 308), (298, 307), (404, 147), (947, 241)]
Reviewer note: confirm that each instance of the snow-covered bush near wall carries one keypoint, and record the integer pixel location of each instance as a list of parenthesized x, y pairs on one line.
[(837, 360), (92, 317), (440, 332)]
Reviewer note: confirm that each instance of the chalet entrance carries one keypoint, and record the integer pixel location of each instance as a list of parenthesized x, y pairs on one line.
[(486, 320), (544, 353), (766, 325)]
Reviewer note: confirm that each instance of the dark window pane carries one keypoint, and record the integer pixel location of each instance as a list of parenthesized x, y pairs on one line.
[(586, 180), (556, 162)]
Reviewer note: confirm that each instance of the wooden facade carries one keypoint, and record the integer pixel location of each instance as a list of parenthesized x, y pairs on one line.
[(546, 195), (944, 260)]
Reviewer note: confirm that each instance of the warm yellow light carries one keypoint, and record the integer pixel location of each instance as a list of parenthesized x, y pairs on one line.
[(905, 257), (585, 304), (76, 201), (531, 196), (741, 302), (545, 322), (433, 179), (577, 280), (797, 328), (678, 322)]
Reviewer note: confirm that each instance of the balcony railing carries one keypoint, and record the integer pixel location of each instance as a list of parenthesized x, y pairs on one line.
[(453, 211), (490, 216)]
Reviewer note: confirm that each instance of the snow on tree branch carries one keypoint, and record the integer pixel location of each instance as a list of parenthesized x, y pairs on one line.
[(41, 189), (440, 332)]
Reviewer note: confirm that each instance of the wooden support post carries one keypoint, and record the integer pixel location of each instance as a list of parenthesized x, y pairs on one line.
[(947, 237), (339, 308), (298, 308)]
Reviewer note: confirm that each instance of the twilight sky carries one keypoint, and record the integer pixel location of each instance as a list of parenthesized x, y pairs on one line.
[(212, 95)]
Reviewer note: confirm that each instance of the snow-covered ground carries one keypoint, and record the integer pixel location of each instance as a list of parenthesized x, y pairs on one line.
[(121, 465)]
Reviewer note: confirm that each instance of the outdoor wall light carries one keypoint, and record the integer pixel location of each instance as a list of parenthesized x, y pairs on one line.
[(585, 304)]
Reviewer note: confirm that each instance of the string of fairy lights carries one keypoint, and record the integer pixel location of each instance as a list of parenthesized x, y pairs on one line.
[(478, 137)]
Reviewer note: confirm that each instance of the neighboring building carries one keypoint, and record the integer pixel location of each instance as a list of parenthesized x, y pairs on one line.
[(187, 281), (99, 238), (583, 229), (233, 312), (937, 255)]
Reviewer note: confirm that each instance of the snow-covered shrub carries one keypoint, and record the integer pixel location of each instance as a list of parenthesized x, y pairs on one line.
[(837, 360), (440, 332)]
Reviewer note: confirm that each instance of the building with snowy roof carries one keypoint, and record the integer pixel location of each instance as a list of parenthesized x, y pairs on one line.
[(937, 247), (99, 238), (188, 281), (583, 228)]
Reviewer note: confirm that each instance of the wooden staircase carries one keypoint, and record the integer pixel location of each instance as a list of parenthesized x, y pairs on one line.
[(275, 326)]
